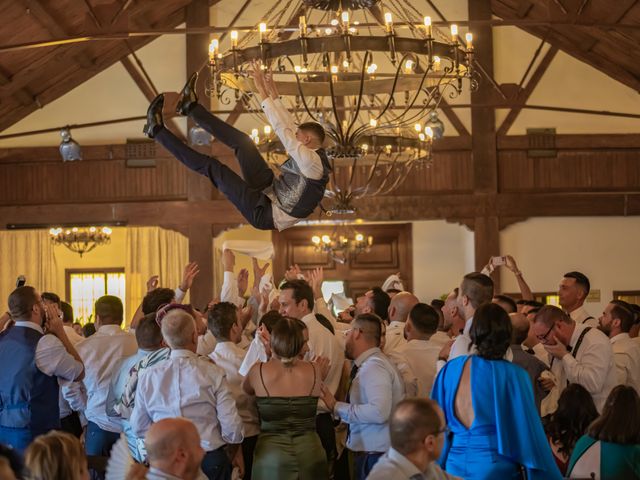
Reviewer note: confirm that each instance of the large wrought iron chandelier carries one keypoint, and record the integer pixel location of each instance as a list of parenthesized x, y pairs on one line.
[(375, 92), (81, 240), (343, 242)]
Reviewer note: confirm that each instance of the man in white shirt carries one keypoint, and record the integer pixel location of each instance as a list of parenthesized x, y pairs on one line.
[(573, 291), (376, 387), (399, 308), (31, 363), (418, 430), (417, 357), (174, 451), (226, 327), (296, 300), (452, 323), (475, 289), (581, 354), (265, 200), (101, 354), (193, 387), (615, 322)]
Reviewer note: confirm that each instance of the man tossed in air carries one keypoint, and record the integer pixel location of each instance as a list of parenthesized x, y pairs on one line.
[(267, 201)]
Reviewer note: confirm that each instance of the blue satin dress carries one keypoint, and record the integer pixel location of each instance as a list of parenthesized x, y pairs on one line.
[(506, 434)]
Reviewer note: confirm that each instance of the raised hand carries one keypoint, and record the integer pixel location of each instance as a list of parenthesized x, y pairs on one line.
[(315, 278), (152, 283), (243, 281), (244, 315), (258, 272), (190, 272), (292, 273)]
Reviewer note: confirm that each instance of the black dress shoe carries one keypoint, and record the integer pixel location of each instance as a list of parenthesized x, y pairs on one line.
[(188, 97), (154, 117)]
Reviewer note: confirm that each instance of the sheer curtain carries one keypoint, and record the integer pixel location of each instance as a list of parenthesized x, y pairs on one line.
[(28, 253), (152, 251)]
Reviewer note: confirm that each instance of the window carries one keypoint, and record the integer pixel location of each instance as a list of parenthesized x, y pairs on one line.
[(84, 287)]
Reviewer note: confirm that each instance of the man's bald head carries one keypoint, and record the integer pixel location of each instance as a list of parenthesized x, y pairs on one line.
[(173, 446), (520, 326), (413, 420), (179, 330), (401, 305)]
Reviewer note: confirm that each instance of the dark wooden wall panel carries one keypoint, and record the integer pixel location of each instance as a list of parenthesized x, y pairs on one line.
[(391, 253)]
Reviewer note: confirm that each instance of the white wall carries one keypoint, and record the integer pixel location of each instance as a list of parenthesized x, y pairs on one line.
[(442, 254), (603, 248)]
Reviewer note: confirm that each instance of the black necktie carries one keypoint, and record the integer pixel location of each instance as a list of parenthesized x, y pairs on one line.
[(352, 375)]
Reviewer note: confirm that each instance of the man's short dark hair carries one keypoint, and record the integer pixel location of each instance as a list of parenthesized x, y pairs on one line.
[(622, 311), (148, 333), (156, 298), (581, 280), (315, 128), (504, 300), (424, 318), (21, 301), (370, 325), (532, 303), (549, 314), (51, 297), (67, 312), (110, 310), (221, 319), (88, 329), (270, 319), (412, 420), (478, 287), (381, 301), (300, 290)]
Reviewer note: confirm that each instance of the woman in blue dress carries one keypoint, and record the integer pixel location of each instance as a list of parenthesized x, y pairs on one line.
[(488, 403)]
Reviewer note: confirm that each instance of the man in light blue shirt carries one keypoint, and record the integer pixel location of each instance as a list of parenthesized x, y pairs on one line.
[(376, 387), (417, 429)]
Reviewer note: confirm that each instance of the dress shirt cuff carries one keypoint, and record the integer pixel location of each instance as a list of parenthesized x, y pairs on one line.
[(179, 294), (341, 410)]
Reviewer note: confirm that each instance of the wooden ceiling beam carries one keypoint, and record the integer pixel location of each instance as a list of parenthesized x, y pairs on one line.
[(525, 93), (24, 96)]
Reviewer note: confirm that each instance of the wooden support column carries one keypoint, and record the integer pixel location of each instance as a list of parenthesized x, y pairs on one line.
[(198, 186), (483, 142), (201, 251)]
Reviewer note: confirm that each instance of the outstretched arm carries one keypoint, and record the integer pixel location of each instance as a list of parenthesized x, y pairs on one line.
[(524, 288)]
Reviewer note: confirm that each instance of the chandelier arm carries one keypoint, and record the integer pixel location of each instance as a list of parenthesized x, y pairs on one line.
[(339, 132), (361, 90), (367, 184), (407, 167), (393, 91), (386, 177)]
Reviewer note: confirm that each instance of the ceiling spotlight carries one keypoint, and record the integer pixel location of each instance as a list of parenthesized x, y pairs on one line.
[(69, 148), (199, 136)]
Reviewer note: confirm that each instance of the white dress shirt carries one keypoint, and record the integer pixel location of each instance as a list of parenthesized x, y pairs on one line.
[(71, 400), (324, 344), (626, 356), (206, 344), (229, 292), (307, 159), (101, 354), (540, 353), (375, 390), (229, 357), (416, 361), (190, 386), (394, 337), (51, 357), (581, 316), (593, 367), (395, 466), (440, 338)]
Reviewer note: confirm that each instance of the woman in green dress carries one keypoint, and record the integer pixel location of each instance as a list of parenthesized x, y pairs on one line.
[(611, 448), (287, 390)]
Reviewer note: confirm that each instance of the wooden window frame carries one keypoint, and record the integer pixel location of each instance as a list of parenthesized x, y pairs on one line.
[(72, 271)]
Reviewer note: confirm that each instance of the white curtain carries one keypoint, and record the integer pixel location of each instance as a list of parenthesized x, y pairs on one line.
[(28, 253), (152, 251)]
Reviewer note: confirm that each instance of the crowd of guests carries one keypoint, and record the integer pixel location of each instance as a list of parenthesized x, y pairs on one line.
[(267, 383)]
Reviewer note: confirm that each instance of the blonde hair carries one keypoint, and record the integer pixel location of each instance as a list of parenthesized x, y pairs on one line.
[(55, 456)]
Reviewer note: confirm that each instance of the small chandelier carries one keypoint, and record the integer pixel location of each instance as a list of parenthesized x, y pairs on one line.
[(81, 239), (373, 88), (343, 242)]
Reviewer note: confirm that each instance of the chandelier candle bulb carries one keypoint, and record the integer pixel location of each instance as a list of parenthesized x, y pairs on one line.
[(469, 38), (345, 18), (436, 63), (262, 30), (267, 130), (302, 22), (373, 122), (454, 32), (388, 21), (316, 240), (429, 132), (234, 38), (213, 49), (326, 239), (428, 27), (418, 127)]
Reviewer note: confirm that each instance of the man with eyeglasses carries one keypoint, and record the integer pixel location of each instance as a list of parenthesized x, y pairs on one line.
[(417, 429), (579, 354)]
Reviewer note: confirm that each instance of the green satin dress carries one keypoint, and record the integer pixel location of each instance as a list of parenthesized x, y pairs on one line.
[(288, 447)]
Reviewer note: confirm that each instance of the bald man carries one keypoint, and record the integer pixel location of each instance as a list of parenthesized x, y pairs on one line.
[(399, 309), (173, 450), (524, 359)]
